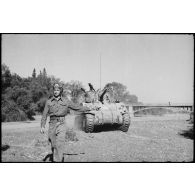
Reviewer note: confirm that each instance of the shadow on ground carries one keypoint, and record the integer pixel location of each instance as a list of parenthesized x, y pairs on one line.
[(105, 128), (188, 134), (5, 147), (48, 158)]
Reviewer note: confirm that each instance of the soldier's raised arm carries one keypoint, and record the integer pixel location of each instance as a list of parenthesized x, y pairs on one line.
[(77, 107)]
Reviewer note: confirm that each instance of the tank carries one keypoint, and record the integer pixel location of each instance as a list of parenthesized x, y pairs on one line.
[(104, 112)]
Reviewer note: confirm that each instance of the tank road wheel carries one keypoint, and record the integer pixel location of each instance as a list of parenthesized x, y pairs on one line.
[(126, 123), (89, 123)]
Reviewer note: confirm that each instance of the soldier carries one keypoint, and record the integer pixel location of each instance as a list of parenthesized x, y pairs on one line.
[(104, 96), (57, 108), (91, 95)]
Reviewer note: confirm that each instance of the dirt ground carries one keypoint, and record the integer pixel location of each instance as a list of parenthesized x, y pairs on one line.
[(167, 138)]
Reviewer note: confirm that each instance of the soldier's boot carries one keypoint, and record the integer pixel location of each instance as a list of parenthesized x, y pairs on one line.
[(56, 156)]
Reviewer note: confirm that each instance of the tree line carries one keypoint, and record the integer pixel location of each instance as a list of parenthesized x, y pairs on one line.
[(23, 98)]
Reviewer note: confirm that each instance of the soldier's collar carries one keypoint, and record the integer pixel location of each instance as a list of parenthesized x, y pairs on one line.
[(53, 98)]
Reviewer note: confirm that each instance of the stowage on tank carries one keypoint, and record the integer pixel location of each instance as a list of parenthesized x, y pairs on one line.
[(104, 112)]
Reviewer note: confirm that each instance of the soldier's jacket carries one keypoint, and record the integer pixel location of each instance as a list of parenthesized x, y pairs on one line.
[(59, 108)]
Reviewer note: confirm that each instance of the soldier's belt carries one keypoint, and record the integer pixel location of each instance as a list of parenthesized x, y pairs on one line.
[(57, 118)]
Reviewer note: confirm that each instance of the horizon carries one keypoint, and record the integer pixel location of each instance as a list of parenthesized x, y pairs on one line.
[(156, 68)]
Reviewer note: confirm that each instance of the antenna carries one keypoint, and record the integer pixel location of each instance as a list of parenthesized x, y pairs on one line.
[(100, 72)]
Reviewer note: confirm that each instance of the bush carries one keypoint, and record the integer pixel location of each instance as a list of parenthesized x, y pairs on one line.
[(25, 104), (41, 104), (11, 112)]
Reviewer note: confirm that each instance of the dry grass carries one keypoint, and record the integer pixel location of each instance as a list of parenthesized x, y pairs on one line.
[(149, 139)]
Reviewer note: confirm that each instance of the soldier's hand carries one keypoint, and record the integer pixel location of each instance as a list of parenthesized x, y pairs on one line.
[(42, 131)]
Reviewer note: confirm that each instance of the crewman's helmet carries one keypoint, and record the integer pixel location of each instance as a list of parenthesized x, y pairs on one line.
[(58, 86)]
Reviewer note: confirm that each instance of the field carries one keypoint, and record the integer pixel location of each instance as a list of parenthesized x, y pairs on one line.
[(167, 138)]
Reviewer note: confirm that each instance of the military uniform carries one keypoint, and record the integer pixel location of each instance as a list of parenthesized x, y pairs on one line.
[(57, 110)]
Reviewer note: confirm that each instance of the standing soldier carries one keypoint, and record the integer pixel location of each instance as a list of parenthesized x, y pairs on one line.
[(57, 108)]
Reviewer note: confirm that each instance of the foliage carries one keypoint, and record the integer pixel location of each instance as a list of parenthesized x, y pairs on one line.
[(34, 73), (5, 77), (73, 90), (41, 104), (27, 96), (118, 91), (10, 111), (22, 98)]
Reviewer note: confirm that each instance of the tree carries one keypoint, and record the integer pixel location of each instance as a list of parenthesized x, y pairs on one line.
[(54, 80), (40, 78), (40, 74), (16, 80), (73, 90), (118, 91), (34, 73), (10, 111), (5, 77), (25, 103), (23, 96), (44, 73), (15, 92), (45, 78)]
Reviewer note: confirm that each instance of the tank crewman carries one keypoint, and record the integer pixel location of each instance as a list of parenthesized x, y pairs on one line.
[(91, 95), (91, 87), (104, 97), (57, 108)]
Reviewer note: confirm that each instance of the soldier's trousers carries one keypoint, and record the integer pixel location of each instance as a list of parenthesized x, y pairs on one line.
[(56, 136)]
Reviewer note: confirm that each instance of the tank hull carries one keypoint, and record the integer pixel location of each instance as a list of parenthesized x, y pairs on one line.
[(115, 114)]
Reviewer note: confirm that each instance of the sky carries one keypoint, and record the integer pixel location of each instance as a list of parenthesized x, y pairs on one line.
[(156, 68)]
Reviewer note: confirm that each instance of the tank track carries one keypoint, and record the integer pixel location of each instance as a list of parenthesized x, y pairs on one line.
[(126, 123), (89, 123)]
